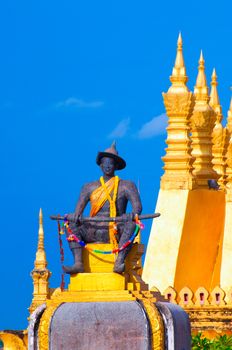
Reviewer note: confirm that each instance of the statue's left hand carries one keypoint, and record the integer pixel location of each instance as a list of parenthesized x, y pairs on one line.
[(74, 218)]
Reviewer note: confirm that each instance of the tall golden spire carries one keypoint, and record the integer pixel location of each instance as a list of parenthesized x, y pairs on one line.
[(179, 77), (218, 134), (229, 118), (202, 124), (179, 104), (40, 260), (228, 149), (201, 90), (214, 98), (40, 273)]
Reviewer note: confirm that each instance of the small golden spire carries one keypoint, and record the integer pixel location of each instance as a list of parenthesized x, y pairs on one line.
[(214, 98), (179, 63), (201, 89), (229, 118), (40, 274), (40, 261), (179, 77)]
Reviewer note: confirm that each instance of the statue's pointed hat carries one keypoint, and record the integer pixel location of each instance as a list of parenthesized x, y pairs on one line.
[(111, 152)]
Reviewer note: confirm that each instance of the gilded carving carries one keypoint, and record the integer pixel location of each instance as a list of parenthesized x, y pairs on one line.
[(229, 119), (218, 135), (229, 155), (218, 296), (44, 326), (178, 159), (202, 296), (156, 324), (170, 294), (229, 172), (203, 119), (178, 104), (220, 142), (186, 297), (12, 341)]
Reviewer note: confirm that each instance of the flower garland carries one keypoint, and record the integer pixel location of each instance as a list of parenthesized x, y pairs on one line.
[(73, 237)]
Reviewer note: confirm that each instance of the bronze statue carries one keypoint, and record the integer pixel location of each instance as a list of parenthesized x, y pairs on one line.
[(109, 197)]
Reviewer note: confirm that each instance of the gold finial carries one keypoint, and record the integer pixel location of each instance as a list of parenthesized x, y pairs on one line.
[(41, 231), (40, 217), (179, 77), (179, 63), (40, 274), (214, 98), (201, 89), (40, 261)]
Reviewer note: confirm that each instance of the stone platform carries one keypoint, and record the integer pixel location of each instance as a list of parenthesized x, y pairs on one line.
[(104, 310)]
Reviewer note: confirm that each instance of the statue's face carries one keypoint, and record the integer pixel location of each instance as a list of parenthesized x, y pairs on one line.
[(107, 166)]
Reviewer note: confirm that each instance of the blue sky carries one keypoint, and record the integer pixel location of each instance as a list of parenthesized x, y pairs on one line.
[(73, 77)]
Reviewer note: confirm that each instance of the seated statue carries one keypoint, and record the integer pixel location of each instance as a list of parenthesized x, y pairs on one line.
[(108, 197)]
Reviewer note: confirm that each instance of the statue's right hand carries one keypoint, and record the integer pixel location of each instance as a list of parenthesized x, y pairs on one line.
[(74, 218)]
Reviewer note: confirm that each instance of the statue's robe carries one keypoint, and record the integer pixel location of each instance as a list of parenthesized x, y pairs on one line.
[(126, 192)]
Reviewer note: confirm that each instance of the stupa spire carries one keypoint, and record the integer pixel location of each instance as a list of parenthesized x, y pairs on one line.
[(179, 63), (202, 124), (214, 98), (40, 260), (201, 90), (229, 118), (179, 104), (179, 77), (218, 134), (40, 274)]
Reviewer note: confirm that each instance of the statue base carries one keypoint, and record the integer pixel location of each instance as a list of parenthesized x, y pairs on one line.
[(97, 281), (95, 262), (93, 312), (99, 275)]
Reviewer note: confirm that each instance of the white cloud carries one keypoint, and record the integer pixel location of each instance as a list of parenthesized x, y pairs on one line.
[(79, 103), (121, 129), (154, 127)]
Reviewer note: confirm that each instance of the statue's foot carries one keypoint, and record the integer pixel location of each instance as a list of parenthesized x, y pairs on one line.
[(119, 267), (72, 270)]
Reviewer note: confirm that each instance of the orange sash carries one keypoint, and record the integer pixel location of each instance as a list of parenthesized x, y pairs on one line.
[(98, 198)]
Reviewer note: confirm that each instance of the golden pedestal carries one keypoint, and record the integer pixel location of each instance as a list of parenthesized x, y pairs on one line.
[(98, 275), (99, 284), (94, 262), (96, 281)]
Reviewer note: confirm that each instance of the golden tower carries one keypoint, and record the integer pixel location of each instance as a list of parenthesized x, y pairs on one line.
[(202, 124), (190, 211), (226, 265), (229, 118), (176, 182), (179, 105), (218, 134), (40, 274)]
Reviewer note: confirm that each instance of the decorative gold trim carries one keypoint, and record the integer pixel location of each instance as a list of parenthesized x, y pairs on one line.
[(44, 326), (12, 341), (156, 324)]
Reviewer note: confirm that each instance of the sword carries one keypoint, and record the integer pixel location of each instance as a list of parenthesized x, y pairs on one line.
[(104, 219)]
